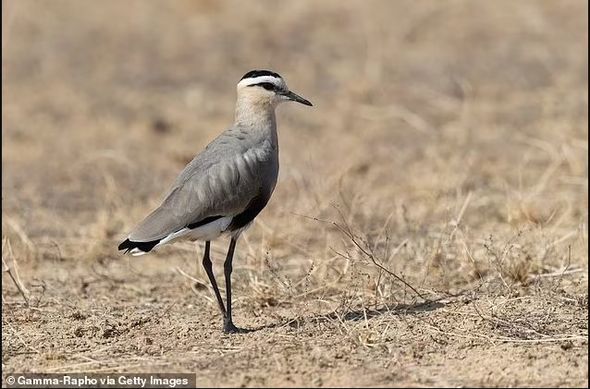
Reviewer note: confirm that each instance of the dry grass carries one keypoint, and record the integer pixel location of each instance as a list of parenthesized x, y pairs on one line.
[(430, 222)]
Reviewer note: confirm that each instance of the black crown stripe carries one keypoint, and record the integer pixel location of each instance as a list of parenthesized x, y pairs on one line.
[(260, 73)]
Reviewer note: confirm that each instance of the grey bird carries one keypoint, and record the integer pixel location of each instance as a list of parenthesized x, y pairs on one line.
[(225, 186)]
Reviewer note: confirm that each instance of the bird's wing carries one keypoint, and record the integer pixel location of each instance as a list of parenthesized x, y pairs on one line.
[(218, 182)]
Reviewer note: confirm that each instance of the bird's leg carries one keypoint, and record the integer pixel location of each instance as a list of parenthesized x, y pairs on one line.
[(209, 269), (228, 325)]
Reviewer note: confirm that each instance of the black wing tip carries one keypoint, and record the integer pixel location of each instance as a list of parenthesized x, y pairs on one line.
[(129, 245), (125, 245)]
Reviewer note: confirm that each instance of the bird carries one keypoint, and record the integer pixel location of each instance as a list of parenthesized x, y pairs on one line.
[(225, 186)]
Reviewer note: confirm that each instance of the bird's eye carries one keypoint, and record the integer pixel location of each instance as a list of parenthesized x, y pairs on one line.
[(267, 85)]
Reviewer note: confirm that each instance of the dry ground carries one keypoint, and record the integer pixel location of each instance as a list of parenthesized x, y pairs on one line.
[(448, 145)]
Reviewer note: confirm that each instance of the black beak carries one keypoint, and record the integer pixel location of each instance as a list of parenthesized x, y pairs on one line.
[(295, 97)]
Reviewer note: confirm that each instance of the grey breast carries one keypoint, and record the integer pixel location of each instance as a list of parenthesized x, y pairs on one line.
[(237, 170)]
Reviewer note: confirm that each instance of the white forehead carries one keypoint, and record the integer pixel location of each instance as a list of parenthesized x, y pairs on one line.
[(278, 81)]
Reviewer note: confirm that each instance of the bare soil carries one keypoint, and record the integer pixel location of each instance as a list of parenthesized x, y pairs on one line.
[(447, 147)]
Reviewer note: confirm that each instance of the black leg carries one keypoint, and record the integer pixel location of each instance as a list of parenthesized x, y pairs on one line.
[(209, 269), (228, 325)]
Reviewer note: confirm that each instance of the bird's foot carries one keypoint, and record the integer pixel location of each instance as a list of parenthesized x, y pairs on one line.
[(230, 328)]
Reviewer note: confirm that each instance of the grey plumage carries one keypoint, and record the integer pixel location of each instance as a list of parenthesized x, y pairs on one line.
[(239, 165), (224, 187)]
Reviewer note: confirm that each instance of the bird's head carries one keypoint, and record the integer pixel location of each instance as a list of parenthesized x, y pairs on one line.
[(263, 87)]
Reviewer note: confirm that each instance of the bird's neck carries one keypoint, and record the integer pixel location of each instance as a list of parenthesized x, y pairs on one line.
[(258, 117)]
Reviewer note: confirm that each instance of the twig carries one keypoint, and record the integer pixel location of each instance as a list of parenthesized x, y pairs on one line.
[(183, 273), (369, 255), (558, 273), (544, 340), (15, 278)]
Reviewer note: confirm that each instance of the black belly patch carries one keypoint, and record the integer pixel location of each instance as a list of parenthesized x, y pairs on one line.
[(206, 220), (256, 205)]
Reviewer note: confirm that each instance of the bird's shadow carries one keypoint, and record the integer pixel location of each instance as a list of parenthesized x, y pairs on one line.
[(357, 315)]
